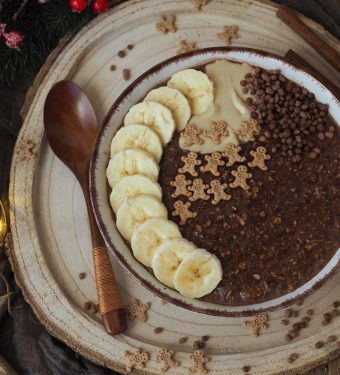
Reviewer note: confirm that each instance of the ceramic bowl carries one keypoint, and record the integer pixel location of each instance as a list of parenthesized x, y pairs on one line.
[(99, 188)]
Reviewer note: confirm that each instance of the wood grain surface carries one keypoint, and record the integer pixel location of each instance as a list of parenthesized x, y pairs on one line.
[(55, 213)]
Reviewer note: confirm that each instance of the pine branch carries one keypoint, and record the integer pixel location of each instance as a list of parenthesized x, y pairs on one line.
[(19, 11)]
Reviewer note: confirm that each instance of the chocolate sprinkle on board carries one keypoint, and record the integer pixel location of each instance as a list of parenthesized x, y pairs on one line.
[(183, 340), (87, 305), (158, 330), (82, 275), (332, 338), (121, 53), (336, 304), (246, 369), (319, 345), (126, 74), (292, 357)]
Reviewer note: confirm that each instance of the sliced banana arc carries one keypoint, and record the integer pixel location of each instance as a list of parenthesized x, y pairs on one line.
[(167, 258), (129, 162), (155, 115), (137, 136), (198, 274), (135, 210), (130, 186), (149, 235), (173, 100), (196, 86)]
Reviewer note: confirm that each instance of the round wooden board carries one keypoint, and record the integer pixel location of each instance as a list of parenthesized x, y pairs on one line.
[(48, 217)]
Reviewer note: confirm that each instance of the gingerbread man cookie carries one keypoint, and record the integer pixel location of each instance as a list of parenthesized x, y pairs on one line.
[(191, 135), (198, 188), (136, 359), (248, 129), (190, 162), (197, 362), (218, 129), (241, 177), (231, 151), (260, 157), (217, 189), (257, 324), (137, 310), (181, 184), (164, 356), (213, 162), (182, 210)]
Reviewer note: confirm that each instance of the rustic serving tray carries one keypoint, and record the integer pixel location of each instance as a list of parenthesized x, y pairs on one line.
[(48, 217)]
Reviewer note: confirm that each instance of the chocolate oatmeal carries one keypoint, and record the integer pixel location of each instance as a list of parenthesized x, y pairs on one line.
[(282, 228)]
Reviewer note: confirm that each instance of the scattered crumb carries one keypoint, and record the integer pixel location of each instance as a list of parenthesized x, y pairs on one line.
[(205, 338), (129, 46), (82, 275), (292, 357), (112, 68), (198, 4), (185, 46), (167, 24), (162, 302), (229, 33), (25, 149), (319, 345)]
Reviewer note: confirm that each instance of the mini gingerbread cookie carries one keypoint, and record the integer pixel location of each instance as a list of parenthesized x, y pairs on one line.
[(198, 188), (197, 362), (164, 356), (257, 324), (260, 157), (191, 135), (217, 189), (182, 210), (217, 130), (248, 129), (167, 24), (190, 162), (213, 162), (229, 33), (231, 152), (241, 177), (136, 359), (137, 310), (181, 184)]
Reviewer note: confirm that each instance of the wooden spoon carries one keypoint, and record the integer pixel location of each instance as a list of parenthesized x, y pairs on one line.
[(71, 129)]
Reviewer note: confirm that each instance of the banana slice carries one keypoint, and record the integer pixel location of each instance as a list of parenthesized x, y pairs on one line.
[(198, 274), (135, 210), (129, 162), (155, 115), (175, 101), (149, 235), (168, 256), (196, 86), (137, 136), (130, 186)]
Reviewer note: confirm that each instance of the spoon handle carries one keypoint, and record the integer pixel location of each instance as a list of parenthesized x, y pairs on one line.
[(110, 303)]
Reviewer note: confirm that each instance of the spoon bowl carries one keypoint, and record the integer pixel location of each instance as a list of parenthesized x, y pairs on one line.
[(70, 122)]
